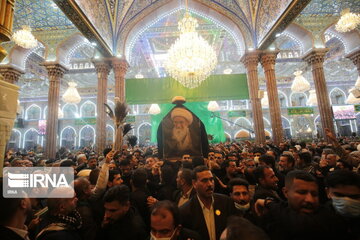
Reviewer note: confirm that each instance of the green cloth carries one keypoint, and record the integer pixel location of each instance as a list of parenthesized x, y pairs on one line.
[(213, 125), (162, 90)]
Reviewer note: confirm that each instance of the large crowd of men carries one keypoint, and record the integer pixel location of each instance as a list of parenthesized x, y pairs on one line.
[(239, 191)]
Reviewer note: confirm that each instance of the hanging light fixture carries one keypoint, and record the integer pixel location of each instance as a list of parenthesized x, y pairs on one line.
[(312, 100), (24, 38), (300, 84), (351, 99), (71, 94), (265, 100), (348, 21), (213, 106), (154, 109), (190, 59)]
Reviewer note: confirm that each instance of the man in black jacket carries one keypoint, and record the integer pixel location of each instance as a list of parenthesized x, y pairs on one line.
[(120, 219), (207, 212)]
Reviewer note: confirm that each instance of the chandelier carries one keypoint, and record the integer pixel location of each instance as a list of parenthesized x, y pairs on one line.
[(154, 109), (213, 106), (265, 100), (190, 59), (71, 94), (24, 38), (312, 100), (351, 99), (300, 84), (348, 21)]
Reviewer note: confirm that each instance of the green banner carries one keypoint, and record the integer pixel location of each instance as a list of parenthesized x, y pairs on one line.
[(213, 124), (236, 114), (357, 108), (85, 121), (130, 119), (300, 110), (162, 90)]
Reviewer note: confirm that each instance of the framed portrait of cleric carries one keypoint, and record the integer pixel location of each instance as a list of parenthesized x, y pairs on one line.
[(181, 133)]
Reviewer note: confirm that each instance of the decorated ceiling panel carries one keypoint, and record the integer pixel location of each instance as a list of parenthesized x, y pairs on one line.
[(40, 15)]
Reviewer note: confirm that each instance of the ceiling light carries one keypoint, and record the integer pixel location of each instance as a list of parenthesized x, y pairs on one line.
[(312, 100), (24, 38), (93, 43), (139, 76), (154, 109), (348, 21), (71, 94), (300, 84), (227, 71), (213, 106), (190, 59)]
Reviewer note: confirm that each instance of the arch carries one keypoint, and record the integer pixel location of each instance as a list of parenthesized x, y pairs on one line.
[(88, 102), (300, 35), (342, 93), (15, 141), (286, 99), (267, 122), (112, 131), (138, 129), (242, 134), (351, 40), (227, 136), (30, 107), (68, 46), (127, 38), (302, 103), (67, 114), (286, 125), (245, 119), (18, 55), (30, 130), (89, 140), (45, 112), (62, 132)]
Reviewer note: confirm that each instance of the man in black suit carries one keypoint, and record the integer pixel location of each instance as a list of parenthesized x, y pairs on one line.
[(185, 189), (207, 212), (13, 213)]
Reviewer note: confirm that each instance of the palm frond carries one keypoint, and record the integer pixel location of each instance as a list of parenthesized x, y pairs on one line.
[(121, 111), (109, 111), (126, 128)]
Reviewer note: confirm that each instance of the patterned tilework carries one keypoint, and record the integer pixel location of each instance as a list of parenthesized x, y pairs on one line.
[(97, 13), (330, 7), (40, 15)]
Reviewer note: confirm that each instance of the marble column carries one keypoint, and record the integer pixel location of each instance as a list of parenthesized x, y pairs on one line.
[(315, 59), (10, 73), (355, 57), (102, 70), (251, 60), (120, 67), (268, 64), (55, 72)]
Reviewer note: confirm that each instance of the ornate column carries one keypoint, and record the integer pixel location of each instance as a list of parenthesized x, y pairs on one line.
[(315, 59), (120, 67), (355, 57), (102, 70), (55, 72), (11, 74), (268, 64), (6, 23), (251, 60)]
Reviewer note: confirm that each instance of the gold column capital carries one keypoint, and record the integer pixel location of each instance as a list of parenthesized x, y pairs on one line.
[(316, 56), (120, 65), (102, 66), (251, 59), (268, 58), (55, 69), (11, 73), (354, 56)]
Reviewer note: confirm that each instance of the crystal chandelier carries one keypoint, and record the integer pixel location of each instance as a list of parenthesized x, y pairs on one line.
[(71, 94), (190, 59), (154, 109), (265, 100), (312, 100), (351, 99), (300, 84), (348, 21), (213, 106), (24, 38)]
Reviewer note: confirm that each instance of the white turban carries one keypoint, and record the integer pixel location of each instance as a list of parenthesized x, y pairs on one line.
[(181, 112)]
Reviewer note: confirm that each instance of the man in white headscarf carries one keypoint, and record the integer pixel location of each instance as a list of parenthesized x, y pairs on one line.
[(181, 119)]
